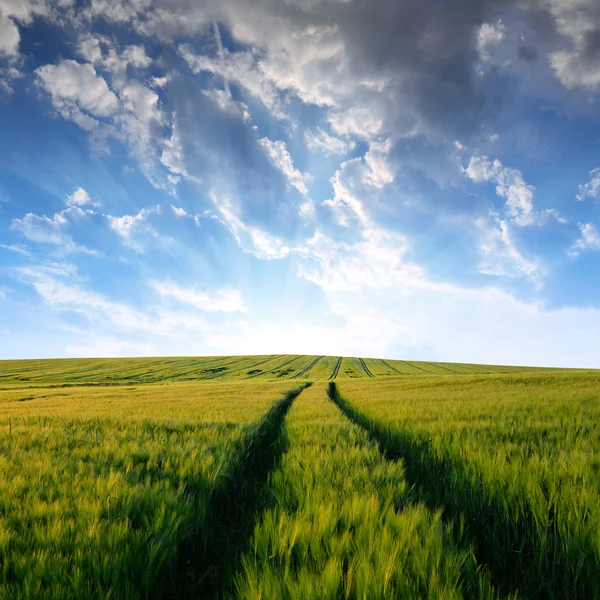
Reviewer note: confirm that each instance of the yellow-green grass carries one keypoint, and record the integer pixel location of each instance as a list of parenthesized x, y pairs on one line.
[(149, 478), (513, 459), (343, 522), (110, 492), (124, 371)]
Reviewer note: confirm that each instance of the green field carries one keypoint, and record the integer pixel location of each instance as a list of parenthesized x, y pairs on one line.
[(265, 367), (228, 477)]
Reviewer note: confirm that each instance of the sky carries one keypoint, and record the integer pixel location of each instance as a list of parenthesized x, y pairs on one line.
[(411, 179)]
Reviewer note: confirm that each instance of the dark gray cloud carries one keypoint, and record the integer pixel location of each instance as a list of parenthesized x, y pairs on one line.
[(414, 65)]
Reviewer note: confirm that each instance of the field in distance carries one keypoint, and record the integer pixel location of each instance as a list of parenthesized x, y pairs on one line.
[(264, 367), (297, 477)]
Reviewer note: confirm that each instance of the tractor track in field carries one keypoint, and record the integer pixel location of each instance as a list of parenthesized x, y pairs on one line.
[(195, 370), (235, 370), (276, 368), (304, 371), (336, 369), (365, 368), (445, 484), (209, 570), (436, 366), (417, 367), (387, 364)]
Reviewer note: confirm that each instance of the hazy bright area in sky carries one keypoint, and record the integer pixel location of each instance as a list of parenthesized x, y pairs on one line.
[(412, 179)]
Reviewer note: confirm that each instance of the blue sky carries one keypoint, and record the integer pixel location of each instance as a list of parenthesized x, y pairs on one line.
[(398, 179)]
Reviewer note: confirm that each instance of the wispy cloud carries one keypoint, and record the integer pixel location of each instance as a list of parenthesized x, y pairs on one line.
[(588, 240), (591, 189), (221, 301)]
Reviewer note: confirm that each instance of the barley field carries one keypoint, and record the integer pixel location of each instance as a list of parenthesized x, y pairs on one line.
[(297, 477)]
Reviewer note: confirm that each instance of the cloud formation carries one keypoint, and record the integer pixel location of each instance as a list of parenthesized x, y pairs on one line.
[(396, 171)]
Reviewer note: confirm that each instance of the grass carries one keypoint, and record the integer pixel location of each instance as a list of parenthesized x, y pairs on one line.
[(514, 459), (344, 523), (220, 478), (114, 497)]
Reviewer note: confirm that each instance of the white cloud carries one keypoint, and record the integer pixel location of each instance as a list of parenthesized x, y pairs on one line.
[(180, 212), (309, 62), (509, 184), (17, 248), (591, 189), (265, 245), (375, 261), (280, 157), (489, 34), (250, 239), (499, 252), (589, 240), (54, 230), (9, 36), (8, 75), (405, 315), (104, 53), (576, 65), (241, 68), (327, 144), (77, 86), (127, 110), (357, 178), (136, 56), (141, 114), (498, 248), (574, 71), (103, 313), (42, 229), (79, 198), (518, 207), (379, 171), (359, 121), (224, 100), (128, 226), (25, 10), (223, 300), (160, 82)]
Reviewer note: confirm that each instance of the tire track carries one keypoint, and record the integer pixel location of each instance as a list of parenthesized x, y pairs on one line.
[(238, 369), (417, 367), (498, 542), (336, 369), (438, 366), (196, 371), (207, 570), (387, 364), (365, 368), (285, 364), (312, 364)]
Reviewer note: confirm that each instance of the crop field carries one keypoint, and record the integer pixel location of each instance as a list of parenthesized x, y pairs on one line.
[(297, 477), (267, 367)]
